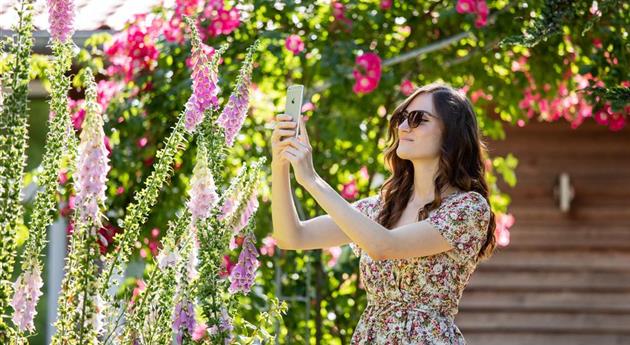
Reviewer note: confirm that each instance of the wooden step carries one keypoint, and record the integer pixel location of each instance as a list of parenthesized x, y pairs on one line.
[(533, 162), (540, 214), (588, 189), (505, 259), (559, 240), (542, 322), (482, 280), (602, 227), (521, 338), (554, 302)]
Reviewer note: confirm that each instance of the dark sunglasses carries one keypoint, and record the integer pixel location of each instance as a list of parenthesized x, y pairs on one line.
[(415, 117)]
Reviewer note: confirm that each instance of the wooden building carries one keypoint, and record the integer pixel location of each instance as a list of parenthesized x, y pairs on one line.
[(565, 276)]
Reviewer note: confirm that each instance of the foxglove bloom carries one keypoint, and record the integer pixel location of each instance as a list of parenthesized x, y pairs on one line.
[(227, 208), (248, 212), (203, 195), (27, 290), (225, 321), (93, 163), (61, 19), (233, 115), (244, 273), (167, 258), (205, 88), (183, 319)]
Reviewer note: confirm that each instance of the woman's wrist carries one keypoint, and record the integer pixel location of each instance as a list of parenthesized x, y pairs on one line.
[(279, 164)]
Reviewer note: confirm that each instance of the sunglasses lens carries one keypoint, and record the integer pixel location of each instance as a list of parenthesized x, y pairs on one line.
[(415, 118)]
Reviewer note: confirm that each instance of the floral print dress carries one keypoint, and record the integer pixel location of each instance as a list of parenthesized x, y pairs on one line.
[(415, 300)]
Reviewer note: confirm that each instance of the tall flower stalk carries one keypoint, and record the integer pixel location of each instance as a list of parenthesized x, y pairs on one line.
[(13, 144), (148, 320), (79, 304), (57, 144), (234, 113), (204, 80)]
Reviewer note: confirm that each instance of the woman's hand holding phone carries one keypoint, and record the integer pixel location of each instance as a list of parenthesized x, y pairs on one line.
[(284, 126), (296, 151)]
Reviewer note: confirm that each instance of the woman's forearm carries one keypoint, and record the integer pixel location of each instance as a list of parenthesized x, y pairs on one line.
[(286, 224)]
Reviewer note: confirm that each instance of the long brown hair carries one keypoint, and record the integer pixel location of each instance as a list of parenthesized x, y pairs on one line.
[(461, 162)]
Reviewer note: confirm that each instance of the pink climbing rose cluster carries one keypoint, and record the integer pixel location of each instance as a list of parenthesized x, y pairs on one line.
[(61, 19), (502, 231), (407, 87), (478, 7), (214, 19), (294, 44), (386, 4), (566, 102), (222, 21), (339, 13), (133, 50), (367, 73)]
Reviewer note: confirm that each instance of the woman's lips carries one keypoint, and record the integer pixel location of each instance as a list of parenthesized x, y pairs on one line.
[(406, 140)]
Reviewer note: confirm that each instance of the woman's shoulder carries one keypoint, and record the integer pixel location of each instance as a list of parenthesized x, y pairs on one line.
[(469, 199), (367, 203), (368, 200)]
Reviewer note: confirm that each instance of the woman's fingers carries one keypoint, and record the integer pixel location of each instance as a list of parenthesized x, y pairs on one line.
[(293, 142), (293, 151), (284, 126), (283, 132)]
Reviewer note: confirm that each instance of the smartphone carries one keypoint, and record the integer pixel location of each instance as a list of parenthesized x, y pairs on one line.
[(294, 104)]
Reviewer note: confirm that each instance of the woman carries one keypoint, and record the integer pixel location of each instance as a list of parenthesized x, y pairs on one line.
[(421, 237)]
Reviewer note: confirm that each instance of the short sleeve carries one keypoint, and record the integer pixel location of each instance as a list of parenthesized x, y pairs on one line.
[(463, 222), (365, 206)]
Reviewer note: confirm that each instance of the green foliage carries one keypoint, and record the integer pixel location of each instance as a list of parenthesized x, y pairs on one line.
[(558, 13)]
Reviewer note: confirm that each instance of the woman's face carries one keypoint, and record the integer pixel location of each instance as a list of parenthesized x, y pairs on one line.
[(422, 142)]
